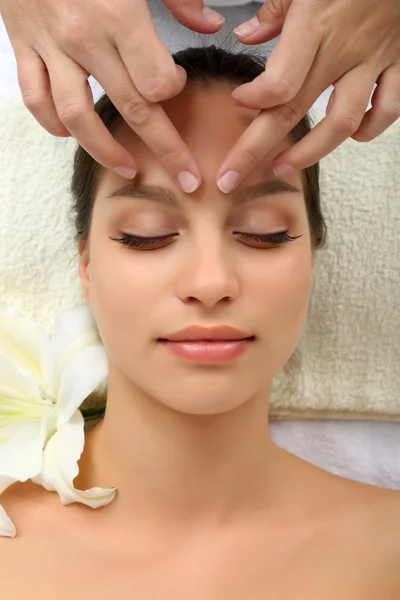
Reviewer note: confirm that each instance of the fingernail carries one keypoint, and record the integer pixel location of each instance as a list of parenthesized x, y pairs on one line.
[(248, 28), (127, 172), (283, 169), (212, 16), (228, 182), (187, 181)]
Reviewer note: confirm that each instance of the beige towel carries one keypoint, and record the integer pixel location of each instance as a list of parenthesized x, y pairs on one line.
[(349, 363)]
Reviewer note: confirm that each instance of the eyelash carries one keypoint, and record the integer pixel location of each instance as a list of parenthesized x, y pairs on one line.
[(139, 242)]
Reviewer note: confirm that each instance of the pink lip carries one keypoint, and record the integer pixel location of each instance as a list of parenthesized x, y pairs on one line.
[(208, 344), (201, 333), (208, 351)]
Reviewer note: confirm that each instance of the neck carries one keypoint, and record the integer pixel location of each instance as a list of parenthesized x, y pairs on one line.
[(176, 468)]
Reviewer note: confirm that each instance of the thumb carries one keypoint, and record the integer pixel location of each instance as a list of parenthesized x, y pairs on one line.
[(194, 15), (266, 25)]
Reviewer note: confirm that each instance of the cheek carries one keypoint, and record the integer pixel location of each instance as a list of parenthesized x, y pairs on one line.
[(282, 304), (283, 286), (123, 292)]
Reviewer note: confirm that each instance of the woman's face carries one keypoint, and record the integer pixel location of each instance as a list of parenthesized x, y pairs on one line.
[(208, 269)]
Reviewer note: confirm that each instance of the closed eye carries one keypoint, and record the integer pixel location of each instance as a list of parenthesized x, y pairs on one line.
[(147, 243), (156, 242), (279, 237)]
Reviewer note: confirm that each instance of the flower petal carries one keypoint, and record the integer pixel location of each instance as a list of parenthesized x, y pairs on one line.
[(80, 377), (60, 466), (24, 422), (74, 329), (7, 527), (21, 452), (5, 482), (21, 340), (18, 388)]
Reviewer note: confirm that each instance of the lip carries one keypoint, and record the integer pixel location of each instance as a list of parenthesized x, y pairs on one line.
[(209, 351), (199, 333), (209, 345)]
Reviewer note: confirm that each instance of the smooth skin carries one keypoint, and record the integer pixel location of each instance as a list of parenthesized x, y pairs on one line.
[(351, 45), (208, 507)]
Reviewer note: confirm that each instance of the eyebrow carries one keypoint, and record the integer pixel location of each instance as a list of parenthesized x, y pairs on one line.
[(166, 196)]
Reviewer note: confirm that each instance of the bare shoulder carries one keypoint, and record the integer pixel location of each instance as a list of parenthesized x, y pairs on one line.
[(33, 511), (26, 504), (371, 519), (375, 508), (360, 521), (385, 524)]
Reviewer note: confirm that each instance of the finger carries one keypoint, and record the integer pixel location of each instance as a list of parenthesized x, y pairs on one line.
[(263, 134), (273, 125), (151, 69), (34, 83), (194, 15), (74, 103), (147, 59), (385, 106), (267, 23), (147, 119), (347, 109), (286, 68)]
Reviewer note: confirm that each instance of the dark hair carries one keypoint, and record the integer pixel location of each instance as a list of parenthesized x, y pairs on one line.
[(205, 66)]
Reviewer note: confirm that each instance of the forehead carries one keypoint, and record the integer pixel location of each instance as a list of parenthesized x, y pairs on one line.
[(209, 123)]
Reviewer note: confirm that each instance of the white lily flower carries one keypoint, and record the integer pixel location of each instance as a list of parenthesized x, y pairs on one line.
[(43, 382)]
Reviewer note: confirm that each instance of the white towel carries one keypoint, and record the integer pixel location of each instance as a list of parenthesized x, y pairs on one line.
[(351, 347), (360, 450), (350, 350)]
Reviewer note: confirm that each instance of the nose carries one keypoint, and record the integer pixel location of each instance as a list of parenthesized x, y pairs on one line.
[(209, 275)]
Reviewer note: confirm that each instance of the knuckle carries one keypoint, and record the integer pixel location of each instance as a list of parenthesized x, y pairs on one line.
[(32, 100), (173, 158), (391, 112), (56, 131), (363, 136), (283, 90), (75, 35), (136, 110), (347, 122), (275, 8), (250, 157), (71, 114), (287, 114), (121, 18), (158, 88)]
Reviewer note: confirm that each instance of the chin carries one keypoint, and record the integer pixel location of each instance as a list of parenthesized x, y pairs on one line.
[(204, 408), (201, 400)]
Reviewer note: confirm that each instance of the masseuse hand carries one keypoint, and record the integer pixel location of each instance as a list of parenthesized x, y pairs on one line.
[(350, 44), (59, 43)]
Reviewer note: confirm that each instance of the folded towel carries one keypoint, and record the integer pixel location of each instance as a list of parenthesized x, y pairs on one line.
[(350, 351), (349, 356)]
